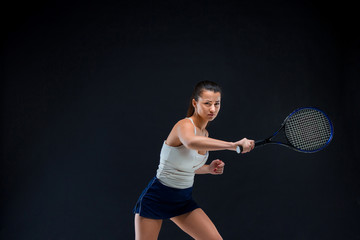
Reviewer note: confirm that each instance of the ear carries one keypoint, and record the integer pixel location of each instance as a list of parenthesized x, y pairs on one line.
[(194, 103)]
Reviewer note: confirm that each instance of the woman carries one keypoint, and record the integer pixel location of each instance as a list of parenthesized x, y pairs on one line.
[(183, 154)]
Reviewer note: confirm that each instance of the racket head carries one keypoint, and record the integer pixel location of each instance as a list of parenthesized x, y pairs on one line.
[(308, 130)]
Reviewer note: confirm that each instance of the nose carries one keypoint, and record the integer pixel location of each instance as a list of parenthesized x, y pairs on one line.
[(212, 108)]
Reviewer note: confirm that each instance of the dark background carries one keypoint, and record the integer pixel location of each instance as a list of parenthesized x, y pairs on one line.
[(91, 89)]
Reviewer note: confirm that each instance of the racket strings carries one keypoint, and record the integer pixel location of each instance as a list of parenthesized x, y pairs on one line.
[(308, 129)]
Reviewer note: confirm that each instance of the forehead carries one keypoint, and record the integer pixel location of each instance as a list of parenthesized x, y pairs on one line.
[(210, 95)]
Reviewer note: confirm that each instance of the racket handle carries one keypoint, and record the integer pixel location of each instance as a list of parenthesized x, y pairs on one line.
[(261, 142), (239, 149)]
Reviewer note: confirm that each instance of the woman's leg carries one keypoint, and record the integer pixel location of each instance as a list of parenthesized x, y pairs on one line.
[(146, 228), (198, 225)]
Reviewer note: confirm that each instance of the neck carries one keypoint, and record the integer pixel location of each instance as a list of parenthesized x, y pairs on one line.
[(199, 122)]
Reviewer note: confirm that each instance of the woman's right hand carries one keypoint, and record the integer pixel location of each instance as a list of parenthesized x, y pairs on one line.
[(246, 144)]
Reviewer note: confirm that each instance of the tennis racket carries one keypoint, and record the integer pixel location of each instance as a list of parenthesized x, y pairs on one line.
[(305, 130)]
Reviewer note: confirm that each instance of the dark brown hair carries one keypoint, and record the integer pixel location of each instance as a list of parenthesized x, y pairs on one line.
[(199, 88)]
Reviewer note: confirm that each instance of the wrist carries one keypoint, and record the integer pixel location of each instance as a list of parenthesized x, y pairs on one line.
[(234, 147), (208, 170)]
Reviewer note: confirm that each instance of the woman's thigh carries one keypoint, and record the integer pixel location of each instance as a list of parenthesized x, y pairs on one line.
[(146, 228), (198, 225)]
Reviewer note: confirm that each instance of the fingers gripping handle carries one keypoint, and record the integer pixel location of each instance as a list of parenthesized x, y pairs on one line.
[(258, 143)]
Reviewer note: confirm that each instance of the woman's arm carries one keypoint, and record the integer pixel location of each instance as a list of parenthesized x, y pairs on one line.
[(203, 170), (216, 167), (185, 132)]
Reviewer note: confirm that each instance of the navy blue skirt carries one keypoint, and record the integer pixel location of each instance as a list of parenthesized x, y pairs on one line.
[(158, 201)]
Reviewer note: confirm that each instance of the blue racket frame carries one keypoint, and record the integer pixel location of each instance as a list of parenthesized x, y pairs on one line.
[(269, 139)]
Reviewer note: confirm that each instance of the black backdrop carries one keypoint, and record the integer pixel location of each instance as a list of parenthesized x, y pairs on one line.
[(91, 90)]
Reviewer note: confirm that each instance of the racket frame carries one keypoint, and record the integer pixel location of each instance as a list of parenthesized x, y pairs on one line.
[(270, 141)]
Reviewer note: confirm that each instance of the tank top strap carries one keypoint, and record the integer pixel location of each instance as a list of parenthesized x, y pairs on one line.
[(193, 124)]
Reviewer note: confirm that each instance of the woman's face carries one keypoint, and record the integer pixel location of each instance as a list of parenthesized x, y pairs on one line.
[(208, 105)]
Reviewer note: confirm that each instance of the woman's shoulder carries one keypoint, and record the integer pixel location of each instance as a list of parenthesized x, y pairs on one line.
[(184, 121), (182, 125)]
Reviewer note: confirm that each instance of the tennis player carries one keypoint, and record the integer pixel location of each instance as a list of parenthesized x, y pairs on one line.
[(184, 154)]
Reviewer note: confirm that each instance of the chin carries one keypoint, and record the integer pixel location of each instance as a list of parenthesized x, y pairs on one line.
[(211, 118)]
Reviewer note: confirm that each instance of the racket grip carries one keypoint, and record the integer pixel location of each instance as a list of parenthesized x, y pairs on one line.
[(239, 149)]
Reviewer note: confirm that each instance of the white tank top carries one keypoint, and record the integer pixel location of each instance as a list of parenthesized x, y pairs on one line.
[(178, 165)]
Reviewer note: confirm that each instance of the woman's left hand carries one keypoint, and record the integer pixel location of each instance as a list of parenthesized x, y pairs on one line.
[(216, 167)]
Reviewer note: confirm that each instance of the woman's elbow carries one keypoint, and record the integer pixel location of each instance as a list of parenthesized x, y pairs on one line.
[(189, 144)]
